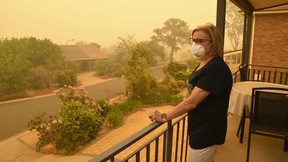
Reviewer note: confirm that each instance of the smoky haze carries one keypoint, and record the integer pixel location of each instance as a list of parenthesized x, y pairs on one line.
[(97, 21)]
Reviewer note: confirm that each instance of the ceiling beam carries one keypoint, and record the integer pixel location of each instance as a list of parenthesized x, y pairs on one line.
[(244, 5)]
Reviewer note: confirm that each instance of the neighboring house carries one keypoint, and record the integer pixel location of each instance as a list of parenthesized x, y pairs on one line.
[(84, 54), (269, 44)]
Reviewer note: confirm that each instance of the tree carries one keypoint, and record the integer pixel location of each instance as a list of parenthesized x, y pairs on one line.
[(40, 52), (124, 48), (154, 50), (174, 34), (118, 58), (234, 25), (22, 58), (96, 45), (140, 82), (12, 73)]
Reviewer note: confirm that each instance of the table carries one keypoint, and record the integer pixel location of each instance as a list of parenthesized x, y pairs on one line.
[(241, 95), (240, 100)]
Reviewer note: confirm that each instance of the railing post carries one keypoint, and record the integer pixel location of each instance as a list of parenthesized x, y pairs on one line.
[(169, 142)]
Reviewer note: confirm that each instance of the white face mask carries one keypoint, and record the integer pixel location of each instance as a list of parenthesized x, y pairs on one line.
[(197, 50)]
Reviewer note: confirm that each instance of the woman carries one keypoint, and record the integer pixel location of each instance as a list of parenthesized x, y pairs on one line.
[(207, 105)]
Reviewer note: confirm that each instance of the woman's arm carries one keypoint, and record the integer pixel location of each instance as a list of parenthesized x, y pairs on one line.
[(197, 95)]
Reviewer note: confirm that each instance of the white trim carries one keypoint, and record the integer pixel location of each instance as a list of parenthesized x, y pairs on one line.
[(252, 39)]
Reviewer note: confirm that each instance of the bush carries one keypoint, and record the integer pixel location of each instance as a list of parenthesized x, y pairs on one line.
[(129, 106), (108, 68), (67, 77), (69, 93), (161, 99), (80, 124), (177, 71), (39, 78), (171, 85), (106, 108), (100, 67), (115, 117), (47, 128), (115, 69), (80, 119)]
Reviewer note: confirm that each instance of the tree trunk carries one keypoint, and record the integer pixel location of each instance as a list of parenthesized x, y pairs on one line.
[(171, 55)]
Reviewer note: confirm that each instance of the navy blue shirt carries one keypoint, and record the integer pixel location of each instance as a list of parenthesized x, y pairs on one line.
[(207, 123)]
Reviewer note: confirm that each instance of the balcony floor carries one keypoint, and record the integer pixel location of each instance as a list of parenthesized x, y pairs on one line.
[(264, 149)]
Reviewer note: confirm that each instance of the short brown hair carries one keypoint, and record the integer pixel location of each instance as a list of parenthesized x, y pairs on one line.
[(216, 38)]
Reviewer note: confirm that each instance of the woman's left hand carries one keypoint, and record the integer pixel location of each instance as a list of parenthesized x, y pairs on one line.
[(155, 116)]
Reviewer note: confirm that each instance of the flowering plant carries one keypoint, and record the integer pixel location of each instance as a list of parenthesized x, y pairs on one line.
[(69, 93)]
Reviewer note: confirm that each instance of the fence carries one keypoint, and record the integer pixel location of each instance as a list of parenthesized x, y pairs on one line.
[(156, 142), (271, 74)]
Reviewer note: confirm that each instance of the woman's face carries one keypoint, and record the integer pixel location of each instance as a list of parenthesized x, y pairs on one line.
[(199, 37)]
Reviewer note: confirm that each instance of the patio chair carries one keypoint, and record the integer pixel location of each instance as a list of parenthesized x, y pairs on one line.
[(241, 126), (269, 114)]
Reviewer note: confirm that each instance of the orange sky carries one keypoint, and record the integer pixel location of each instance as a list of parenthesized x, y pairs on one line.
[(100, 21)]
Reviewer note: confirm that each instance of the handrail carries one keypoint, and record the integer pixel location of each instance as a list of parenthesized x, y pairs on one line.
[(167, 146), (262, 73), (106, 155), (236, 76)]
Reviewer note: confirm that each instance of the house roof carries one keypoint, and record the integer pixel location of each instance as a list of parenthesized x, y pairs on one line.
[(80, 52), (249, 6)]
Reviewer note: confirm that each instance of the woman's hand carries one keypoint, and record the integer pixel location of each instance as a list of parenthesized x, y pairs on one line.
[(156, 116)]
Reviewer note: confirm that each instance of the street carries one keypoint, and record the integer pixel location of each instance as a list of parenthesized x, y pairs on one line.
[(14, 116)]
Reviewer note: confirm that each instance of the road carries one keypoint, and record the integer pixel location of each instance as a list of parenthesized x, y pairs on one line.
[(14, 116)]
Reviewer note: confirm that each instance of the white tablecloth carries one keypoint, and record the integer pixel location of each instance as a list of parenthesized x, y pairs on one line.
[(241, 95)]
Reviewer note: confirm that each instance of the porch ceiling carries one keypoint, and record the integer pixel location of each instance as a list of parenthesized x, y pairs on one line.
[(254, 5)]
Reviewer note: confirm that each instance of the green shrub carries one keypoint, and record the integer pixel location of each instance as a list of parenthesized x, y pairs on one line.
[(39, 78), (176, 70), (80, 119), (128, 106), (100, 67), (171, 85), (108, 68), (115, 117), (162, 99), (117, 111), (80, 124), (67, 77)]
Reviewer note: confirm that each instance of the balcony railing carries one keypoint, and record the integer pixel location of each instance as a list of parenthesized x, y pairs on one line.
[(272, 74), (156, 142)]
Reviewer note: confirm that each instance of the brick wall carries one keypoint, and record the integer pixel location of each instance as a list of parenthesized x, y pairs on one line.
[(271, 40)]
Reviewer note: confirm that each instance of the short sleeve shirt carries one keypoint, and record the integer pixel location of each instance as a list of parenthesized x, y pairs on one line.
[(208, 121)]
